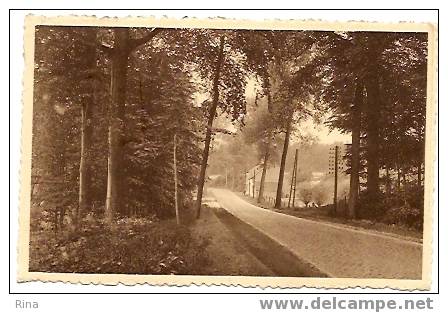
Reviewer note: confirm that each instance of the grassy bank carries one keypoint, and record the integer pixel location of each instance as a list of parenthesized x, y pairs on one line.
[(322, 214)]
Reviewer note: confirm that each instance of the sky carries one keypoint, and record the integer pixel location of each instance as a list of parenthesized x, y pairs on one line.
[(320, 131), (323, 133)]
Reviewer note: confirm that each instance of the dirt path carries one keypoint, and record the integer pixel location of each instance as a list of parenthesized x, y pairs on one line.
[(337, 251)]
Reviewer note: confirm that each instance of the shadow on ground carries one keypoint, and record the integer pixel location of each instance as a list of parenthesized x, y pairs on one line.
[(277, 258)]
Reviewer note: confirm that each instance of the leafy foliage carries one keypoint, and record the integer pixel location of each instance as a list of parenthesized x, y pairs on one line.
[(150, 138), (131, 246), (306, 194), (262, 131)]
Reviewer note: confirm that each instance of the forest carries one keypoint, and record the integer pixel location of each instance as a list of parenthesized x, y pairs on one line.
[(113, 106)]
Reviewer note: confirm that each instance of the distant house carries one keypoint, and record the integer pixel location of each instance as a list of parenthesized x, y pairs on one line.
[(270, 184), (249, 180)]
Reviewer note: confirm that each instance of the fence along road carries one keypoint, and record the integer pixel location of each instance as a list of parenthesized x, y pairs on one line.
[(338, 251)]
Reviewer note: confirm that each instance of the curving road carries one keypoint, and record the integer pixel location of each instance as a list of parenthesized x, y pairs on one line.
[(335, 250)]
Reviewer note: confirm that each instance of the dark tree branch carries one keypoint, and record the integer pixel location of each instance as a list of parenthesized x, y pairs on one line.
[(134, 43), (220, 130)]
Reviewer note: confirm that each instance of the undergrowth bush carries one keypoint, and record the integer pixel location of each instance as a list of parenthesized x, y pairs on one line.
[(403, 208), (131, 246), (404, 215)]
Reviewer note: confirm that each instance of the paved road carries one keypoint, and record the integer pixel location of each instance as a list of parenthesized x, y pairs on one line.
[(335, 250)]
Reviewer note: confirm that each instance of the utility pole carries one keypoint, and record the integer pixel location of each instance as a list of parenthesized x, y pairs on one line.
[(245, 181), (295, 178), (226, 175), (176, 205), (253, 186), (292, 189), (336, 169)]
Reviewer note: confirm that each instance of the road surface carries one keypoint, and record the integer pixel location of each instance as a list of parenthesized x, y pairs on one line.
[(335, 250)]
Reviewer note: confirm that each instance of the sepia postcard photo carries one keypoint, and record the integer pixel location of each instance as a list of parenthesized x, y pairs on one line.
[(228, 152)]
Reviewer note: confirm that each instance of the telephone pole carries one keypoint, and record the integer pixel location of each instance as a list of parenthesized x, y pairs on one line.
[(226, 175), (253, 186), (292, 189), (295, 178), (336, 169), (245, 181)]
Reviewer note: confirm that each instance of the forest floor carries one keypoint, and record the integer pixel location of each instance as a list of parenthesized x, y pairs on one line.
[(208, 246), (128, 246), (321, 214)]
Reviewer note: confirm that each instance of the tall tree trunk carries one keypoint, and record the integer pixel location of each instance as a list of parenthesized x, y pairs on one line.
[(421, 160), (405, 186), (176, 198), (281, 175), (356, 133), (85, 164), (116, 114), (398, 178), (61, 152), (208, 134), (419, 174), (119, 54), (263, 176), (387, 180), (373, 115), (419, 182), (268, 91)]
